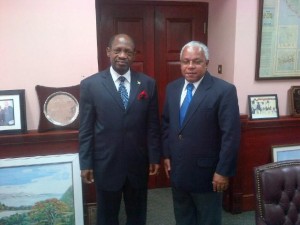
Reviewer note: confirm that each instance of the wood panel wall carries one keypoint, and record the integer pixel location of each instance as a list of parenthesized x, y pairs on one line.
[(258, 137)]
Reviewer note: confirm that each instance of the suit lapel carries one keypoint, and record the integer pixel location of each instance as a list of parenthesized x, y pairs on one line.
[(109, 84), (176, 95), (198, 97), (135, 85)]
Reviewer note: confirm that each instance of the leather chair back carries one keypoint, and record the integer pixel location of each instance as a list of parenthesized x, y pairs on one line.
[(277, 190)]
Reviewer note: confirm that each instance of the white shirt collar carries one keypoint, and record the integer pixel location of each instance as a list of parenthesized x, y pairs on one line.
[(196, 84), (115, 75)]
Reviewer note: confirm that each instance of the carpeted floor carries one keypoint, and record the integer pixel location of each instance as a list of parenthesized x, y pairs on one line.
[(160, 211)]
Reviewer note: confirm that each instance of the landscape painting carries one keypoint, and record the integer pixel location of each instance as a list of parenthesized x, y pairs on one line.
[(43, 190)]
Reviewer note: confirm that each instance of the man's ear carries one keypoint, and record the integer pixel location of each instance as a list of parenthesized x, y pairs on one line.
[(108, 51), (207, 61)]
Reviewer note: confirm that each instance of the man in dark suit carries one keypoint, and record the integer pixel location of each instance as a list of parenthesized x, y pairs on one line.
[(119, 135), (201, 135)]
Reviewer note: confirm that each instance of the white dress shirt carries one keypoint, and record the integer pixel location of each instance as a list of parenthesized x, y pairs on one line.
[(115, 77), (183, 93)]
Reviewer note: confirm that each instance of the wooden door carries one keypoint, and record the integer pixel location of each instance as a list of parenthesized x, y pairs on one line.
[(174, 27), (160, 29), (135, 20)]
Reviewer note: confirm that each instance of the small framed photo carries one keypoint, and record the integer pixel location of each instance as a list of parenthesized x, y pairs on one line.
[(285, 152), (263, 106), (12, 112), (41, 188)]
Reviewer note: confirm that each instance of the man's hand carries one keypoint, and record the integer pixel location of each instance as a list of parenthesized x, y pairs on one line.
[(220, 183), (87, 176), (154, 169), (167, 165)]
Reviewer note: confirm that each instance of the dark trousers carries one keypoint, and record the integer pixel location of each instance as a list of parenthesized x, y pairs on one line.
[(108, 205), (197, 208)]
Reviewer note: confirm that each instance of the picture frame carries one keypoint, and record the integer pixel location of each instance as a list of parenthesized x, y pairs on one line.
[(294, 99), (263, 106), (285, 152), (30, 185), (12, 112), (278, 48)]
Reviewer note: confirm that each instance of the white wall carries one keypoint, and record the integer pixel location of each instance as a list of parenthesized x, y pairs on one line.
[(53, 43), (239, 35), (221, 37), (49, 42)]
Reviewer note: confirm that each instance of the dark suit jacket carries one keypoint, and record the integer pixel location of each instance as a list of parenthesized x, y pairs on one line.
[(208, 140), (114, 142)]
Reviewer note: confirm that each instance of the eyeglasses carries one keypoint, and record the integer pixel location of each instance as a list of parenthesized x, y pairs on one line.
[(193, 62), (127, 52)]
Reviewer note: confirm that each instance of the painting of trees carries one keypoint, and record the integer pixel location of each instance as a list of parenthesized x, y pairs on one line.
[(49, 212)]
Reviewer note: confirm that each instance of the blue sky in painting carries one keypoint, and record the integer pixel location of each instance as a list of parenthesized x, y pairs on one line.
[(27, 174), (25, 185)]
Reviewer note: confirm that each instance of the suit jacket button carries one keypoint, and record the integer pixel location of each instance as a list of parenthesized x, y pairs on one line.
[(180, 137)]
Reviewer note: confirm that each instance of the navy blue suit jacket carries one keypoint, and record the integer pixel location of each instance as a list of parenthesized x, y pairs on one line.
[(114, 142), (209, 138)]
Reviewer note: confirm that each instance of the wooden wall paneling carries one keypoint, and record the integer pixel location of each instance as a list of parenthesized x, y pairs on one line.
[(258, 137)]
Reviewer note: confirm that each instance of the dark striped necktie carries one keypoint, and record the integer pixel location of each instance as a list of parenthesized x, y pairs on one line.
[(123, 91)]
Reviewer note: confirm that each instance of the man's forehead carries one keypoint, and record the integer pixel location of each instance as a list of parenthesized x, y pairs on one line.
[(122, 41)]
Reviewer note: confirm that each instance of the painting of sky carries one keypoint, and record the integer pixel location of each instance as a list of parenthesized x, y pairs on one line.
[(26, 185)]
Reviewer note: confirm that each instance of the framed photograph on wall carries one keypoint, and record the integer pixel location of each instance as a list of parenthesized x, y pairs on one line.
[(278, 42), (263, 106), (41, 188), (12, 112), (285, 152)]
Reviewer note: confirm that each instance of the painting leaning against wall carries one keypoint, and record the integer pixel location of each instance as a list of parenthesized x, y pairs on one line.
[(41, 190)]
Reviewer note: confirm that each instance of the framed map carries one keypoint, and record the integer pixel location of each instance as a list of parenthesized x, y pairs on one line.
[(278, 43)]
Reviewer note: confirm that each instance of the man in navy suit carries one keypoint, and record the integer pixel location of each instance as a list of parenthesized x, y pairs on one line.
[(200, 145), (119, 135)]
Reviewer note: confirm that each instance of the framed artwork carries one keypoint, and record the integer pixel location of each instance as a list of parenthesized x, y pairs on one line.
[(263, 106), (278, 42), (12, 112), (59, 108), (41, 188), (294, 98), (285, 152)]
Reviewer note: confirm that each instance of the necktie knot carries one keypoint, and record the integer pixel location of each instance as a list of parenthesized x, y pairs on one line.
[(190, 87), (122, 79)]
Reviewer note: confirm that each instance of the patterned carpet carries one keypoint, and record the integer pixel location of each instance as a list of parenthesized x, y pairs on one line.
[(160, 211)]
